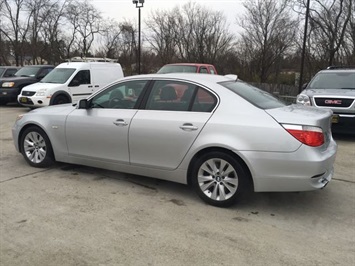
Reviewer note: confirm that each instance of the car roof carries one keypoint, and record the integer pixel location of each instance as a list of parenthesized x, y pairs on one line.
[(10, 67), (39, 66), (338, 70), (188, 64), (81, 64), (192, 77)]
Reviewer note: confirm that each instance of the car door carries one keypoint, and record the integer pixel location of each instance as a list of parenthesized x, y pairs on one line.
[(162, 133), (101, 131), (81, 85)]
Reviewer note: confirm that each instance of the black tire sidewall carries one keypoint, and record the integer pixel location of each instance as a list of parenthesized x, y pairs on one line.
[(242, 178), (60, 99), (49, 158)]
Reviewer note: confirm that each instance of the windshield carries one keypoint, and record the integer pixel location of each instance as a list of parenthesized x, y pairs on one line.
[(27, 72), (338, 80), (177, 69), (255, 96), (1, 71), (58, 75)]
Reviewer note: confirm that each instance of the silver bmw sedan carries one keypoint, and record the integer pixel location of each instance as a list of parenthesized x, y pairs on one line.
[(216, 133)]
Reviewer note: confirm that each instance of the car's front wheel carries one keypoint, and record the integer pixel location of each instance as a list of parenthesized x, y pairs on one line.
[(36, 147), (60, 99), (219, 179)]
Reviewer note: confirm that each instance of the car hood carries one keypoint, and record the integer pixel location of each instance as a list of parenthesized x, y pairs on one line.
[(302, 115), (327, 92), (14, 79), (63, 109), (40, 85)]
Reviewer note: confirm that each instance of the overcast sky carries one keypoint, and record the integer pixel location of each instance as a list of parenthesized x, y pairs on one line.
[(125, 10)]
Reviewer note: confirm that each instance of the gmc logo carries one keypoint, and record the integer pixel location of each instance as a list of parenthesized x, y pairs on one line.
[(333, 101)]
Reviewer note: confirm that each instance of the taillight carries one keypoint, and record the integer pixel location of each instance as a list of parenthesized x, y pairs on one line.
[(309, 135)]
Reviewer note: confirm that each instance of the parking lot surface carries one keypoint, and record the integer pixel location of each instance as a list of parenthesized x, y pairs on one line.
[(76, 215)]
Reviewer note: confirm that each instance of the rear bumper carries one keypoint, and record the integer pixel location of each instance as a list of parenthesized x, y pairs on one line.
[(306, 169)]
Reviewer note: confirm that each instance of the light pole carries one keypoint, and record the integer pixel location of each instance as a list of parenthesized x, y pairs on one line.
[(304, 47), (139, 4)]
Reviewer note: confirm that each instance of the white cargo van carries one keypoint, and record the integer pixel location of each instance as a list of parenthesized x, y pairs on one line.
[(70, 82)]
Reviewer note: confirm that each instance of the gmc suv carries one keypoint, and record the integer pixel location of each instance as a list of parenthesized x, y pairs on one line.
[(333, 88)]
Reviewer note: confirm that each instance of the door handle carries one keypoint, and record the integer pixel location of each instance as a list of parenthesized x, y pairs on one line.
[(188, 127), (120, 122), (90, 86), (96, 86)]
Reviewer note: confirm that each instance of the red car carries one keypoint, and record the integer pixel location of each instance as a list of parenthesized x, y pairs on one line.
[(188, 68)]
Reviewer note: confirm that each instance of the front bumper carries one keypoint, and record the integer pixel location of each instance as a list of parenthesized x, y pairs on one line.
[(9, 94), (344, 124), (33, 101)]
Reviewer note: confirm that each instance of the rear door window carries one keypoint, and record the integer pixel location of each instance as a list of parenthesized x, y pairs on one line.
[(180, 96)]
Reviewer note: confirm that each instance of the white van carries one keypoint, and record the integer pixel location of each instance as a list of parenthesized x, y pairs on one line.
[(70, 82)]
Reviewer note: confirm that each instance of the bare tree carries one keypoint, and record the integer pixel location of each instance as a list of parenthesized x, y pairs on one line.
[(329, 22), (110, 39), (162, 38), (15, 26), (269, 33), (203, 34), (189, 33), (52, 35), (86, 23)]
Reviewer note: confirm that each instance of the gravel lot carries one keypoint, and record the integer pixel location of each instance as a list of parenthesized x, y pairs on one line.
[(74, 215)]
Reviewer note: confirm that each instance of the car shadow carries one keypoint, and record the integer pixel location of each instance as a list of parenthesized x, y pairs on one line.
[(269, 203)]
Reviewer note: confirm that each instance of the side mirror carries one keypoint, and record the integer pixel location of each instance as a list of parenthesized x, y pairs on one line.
[(74, 83), (83, 104)]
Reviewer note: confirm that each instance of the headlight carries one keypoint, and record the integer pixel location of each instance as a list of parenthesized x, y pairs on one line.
[(41, 92), (303, 99), (8, 84)]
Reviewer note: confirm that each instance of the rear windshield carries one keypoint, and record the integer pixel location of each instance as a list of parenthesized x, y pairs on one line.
[(58, 75), (259, 98), (338, 80), (27, 72), (177, 69)]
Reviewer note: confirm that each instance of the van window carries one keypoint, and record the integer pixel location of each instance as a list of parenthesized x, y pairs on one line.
[(58, 75), (82, 77)]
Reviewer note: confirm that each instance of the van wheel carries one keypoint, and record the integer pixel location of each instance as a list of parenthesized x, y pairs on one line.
[(60, 99)]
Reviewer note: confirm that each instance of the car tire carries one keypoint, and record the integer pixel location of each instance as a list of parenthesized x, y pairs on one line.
[(36, 147), (60, 99), (219, 179)]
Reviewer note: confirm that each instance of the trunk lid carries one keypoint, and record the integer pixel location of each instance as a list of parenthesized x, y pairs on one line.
[(305, 116)]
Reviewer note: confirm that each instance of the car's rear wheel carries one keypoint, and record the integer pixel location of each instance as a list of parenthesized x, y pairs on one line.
[(219, 179), (36, 147)]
